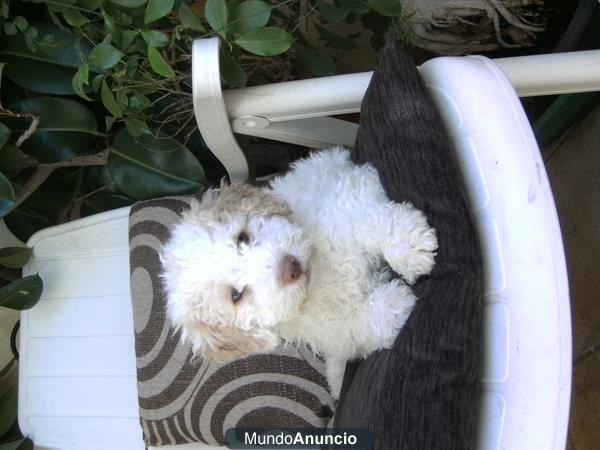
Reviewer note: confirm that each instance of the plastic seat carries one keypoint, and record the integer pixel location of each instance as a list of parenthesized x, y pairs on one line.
[(77, 386)]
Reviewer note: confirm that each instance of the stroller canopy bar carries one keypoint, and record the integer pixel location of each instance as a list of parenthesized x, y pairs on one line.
[(558, 73)]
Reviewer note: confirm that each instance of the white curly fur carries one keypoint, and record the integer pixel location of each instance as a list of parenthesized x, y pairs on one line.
[(335, 219)]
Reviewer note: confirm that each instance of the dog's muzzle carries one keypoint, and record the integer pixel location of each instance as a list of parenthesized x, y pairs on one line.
[(290, 270)]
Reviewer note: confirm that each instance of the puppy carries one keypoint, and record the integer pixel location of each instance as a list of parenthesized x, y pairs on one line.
[(303, 260)]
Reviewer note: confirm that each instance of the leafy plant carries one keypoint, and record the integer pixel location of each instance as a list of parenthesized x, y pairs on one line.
[(96, 94), (10, 436)]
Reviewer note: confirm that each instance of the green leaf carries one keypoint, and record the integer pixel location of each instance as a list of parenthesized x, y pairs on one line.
[(136, 127), (104, 55), (21, 23), (155, 38), (250, 16), (233, 74), (51, 68), (101, 202), (128, 3), (53, 38), (390, 8), (14, 257), (354, 6), (316, 62), (158, 64), (20, 444), (267, 41), (48, 40), (22, 294), (10, 156), (127, 38), (32, 32), (4, 134), (96, 177), (109, 120), (138, 101), (66, 128), (8, 409), (189, 19), (232, 4), (132, 65), (90, 5), (57, 194), (31, 44), (110, 25), (7, 196), (4, 9), (8, 276), (336, 41), (59, 6), (155, 9), (97, 82), (108, 100), (151, 166), (10, 28), (331, 12), (74, 18), (80, 79), (216, 14), (40, 77), (121, 97), (24, 222), (26, 444)]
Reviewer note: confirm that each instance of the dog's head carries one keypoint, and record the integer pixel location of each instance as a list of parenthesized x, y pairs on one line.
[(235, 266)]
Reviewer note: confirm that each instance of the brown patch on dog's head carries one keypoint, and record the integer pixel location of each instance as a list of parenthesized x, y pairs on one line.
[(218, 204), (248, 199)]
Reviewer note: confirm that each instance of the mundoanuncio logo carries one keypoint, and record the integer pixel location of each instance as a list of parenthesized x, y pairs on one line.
[(299, 438)]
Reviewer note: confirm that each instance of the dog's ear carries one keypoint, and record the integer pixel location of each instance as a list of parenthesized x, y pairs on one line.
[(249, 199), (222, 343)]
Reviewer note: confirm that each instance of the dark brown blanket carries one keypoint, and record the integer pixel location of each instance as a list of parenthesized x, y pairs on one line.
[(423, 393)]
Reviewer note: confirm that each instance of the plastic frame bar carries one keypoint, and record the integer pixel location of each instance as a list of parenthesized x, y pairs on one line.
[(209, 109), (287, 111)]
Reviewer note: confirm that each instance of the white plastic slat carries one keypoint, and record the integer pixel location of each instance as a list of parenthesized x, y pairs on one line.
[(77, 375)]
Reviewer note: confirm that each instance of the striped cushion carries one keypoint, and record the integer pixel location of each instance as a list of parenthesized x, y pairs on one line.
[(184, 401)]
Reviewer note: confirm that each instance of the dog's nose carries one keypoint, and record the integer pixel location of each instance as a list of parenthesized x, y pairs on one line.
[(290, 269)]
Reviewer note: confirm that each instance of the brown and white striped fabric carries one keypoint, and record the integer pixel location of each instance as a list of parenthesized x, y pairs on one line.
[(183, 400)]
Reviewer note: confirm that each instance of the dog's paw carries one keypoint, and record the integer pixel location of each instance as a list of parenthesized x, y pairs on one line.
[(335, 368), (412, 253), (390, 304)]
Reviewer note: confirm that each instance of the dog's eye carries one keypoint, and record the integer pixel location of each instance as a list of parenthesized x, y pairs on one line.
[(236, 295), (243, 238)]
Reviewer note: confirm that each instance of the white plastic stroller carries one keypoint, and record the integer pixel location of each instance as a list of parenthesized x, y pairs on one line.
[(77, 378)]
